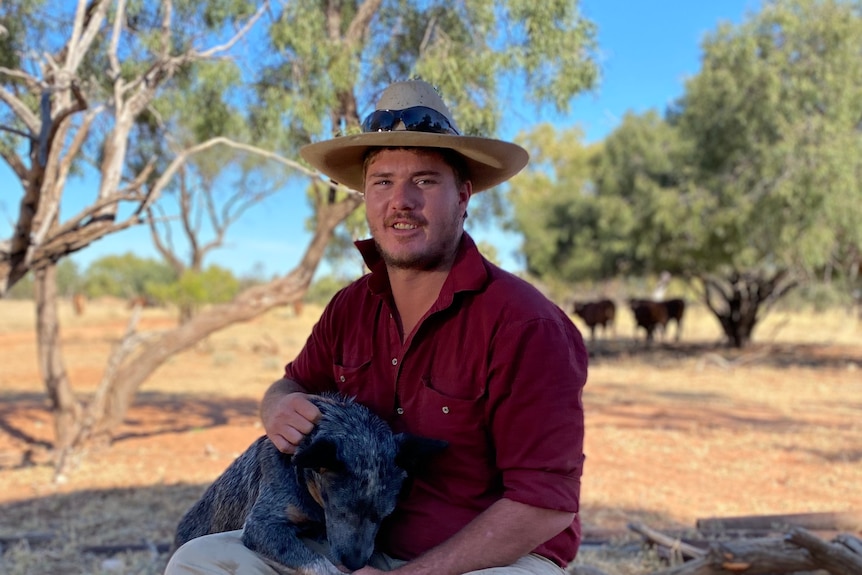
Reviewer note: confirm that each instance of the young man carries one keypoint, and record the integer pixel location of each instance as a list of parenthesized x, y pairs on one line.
[(440, 343)]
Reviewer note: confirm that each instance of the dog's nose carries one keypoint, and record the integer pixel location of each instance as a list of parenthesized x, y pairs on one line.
[(354, 561)]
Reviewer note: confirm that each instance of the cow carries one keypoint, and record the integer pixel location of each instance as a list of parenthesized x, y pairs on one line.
[(79, 303), (601, 312), (652, 315), (675, 310)]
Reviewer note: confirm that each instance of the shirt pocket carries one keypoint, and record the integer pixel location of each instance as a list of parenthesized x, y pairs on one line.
[(458, 420), (356, 379), (351, 375)]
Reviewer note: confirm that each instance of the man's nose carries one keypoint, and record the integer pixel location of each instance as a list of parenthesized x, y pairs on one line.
[(404, 196)]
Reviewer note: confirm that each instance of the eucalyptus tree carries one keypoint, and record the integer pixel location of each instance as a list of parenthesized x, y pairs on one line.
[(747, 186), (591, 214), (553, 208), (773, 119), (103, 84)]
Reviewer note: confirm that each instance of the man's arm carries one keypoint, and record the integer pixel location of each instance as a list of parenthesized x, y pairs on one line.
[(287, 414), (501, 535)]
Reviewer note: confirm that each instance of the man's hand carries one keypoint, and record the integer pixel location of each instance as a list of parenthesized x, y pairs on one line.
[(287, 415)]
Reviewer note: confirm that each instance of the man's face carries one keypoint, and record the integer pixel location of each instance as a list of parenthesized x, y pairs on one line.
[(415, 208)]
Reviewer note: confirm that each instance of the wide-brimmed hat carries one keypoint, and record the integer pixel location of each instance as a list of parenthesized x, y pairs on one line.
[(412, 114)]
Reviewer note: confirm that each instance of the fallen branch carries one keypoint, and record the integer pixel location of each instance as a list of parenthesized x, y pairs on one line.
[(675, 545), (829, 521), (761, 556), (852, 543), (835, 558)]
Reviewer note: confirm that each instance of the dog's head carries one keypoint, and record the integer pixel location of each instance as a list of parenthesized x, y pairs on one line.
[(356, 474)]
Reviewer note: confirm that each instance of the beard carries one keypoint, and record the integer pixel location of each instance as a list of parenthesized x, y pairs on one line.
[(427, 261), (434, 257)]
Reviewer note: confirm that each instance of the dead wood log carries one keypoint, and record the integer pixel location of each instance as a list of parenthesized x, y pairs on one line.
[(835, 558), (828, 521), (674, 544), (761, 556), (851, 542)]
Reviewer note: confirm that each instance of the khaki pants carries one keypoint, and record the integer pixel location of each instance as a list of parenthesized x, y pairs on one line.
[(224, 554)]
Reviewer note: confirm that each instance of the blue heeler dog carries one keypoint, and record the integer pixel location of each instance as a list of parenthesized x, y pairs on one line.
[(343, 480)]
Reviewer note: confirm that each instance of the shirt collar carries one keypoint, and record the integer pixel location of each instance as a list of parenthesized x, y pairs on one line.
[(468, 273)]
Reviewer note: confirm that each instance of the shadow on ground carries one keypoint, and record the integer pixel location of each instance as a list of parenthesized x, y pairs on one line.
[(783, 355), (130, 530)]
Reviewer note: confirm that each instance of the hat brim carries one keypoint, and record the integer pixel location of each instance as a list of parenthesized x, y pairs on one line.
[(490, 162)]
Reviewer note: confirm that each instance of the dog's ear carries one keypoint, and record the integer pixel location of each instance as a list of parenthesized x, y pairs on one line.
[(320, 456), (414, 452)]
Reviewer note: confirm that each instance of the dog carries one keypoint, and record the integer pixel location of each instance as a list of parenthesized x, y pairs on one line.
[(345, 477)]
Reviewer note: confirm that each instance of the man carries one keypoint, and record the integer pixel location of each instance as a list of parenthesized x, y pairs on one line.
[(440, 343)]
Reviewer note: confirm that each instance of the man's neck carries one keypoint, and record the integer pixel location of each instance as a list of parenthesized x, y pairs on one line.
[(414, 293)]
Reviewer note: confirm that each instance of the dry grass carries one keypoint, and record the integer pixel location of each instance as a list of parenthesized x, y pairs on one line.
[(674, 433)]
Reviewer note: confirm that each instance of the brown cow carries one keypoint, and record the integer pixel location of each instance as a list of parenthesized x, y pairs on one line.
[(79, 303), (675, 310), (601, 312), (648, 315), (652, 315)]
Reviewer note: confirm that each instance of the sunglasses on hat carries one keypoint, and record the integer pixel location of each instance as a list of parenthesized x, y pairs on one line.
[(415, 119)]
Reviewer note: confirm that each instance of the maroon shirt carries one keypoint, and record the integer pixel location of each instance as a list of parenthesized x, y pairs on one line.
[(494, 368)]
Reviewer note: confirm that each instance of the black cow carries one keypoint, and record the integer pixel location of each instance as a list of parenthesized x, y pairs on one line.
[(601, 312)]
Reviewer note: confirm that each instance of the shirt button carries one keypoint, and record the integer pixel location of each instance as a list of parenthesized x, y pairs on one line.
[(343, 379), (394, 361), (400, 411), (445, 409)]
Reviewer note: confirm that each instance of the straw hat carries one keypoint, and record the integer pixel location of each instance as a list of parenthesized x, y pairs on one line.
[(489, 161)]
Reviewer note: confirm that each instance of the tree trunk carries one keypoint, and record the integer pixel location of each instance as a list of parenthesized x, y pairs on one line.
[(138, 361), (187, 312), (64, 405), (739, 301)]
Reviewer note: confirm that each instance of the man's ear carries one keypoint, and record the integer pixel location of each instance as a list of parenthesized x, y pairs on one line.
[(320, 456), (414, 452)]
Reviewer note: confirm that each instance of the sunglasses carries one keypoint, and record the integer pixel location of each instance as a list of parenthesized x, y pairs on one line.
[(415, 119)]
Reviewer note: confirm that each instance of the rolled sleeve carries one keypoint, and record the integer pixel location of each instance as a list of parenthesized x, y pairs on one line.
[(537, 416)]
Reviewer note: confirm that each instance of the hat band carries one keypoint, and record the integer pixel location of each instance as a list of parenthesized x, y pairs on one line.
[(415, 119)]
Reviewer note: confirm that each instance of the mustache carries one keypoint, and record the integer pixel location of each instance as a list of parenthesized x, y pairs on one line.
[(404, 218)]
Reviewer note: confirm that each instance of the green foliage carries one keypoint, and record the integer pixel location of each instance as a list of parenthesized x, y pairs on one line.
[(755, 168), (125, 276), (323, 288), (773, 123), (215, 284), (817, 297), (638, 177), (24, 289), (549, 203), (330, 76), (69, 279), (489, 251)]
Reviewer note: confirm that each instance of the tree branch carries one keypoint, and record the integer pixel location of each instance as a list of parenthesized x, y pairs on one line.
[(21, 110)]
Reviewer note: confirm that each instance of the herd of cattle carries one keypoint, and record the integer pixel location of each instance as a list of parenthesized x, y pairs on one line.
[(651, 315)]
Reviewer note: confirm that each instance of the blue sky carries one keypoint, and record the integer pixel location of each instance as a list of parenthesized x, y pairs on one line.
[(647, 50)]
